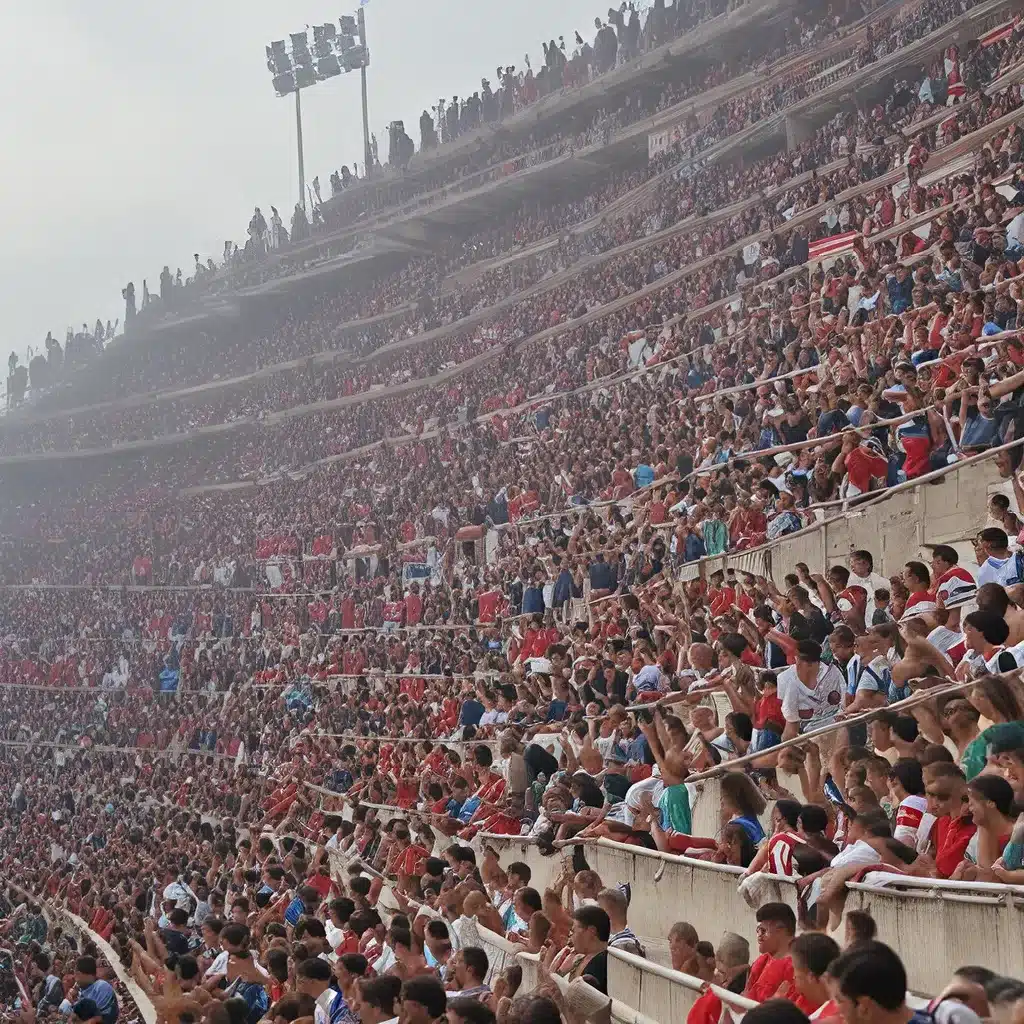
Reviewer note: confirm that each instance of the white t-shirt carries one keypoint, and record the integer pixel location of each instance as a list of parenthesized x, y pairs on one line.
[(809, 707), (872, 582), (1002, 571), (219, 965)]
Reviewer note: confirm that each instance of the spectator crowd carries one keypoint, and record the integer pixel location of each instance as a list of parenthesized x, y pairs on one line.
[(284, 657)]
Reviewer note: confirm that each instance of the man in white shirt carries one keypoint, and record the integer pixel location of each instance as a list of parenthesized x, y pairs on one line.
[(811, 691), (998, 563), (862, 574)]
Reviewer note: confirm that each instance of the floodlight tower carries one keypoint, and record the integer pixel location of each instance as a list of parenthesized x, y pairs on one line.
[(298, 67)]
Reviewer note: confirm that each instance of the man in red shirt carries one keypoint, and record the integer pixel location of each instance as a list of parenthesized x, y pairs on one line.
[(861, 462), (413, 605), (946, 793), (771, 974), (812, 954)]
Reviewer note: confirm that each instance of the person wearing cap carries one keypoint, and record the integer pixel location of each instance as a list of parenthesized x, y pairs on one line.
[(811, 691)]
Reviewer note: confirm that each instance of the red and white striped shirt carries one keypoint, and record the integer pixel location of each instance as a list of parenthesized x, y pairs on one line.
[(914, 823), (780, 853)]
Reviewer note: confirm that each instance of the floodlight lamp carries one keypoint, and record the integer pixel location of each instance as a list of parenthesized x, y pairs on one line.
[(328, 67), (300, 41), (348, 24), (345, 43), (304, 77), (284, 84), (356, 58)]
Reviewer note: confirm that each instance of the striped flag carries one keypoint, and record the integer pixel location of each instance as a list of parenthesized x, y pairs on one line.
[(998, 34), (834, 245)]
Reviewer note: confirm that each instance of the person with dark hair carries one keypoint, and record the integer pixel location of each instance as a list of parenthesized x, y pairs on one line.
[(469, 1011), (49, 989), (918, 581), (376, 998), (776, 855), (954, 586), (913, 825), (306, 901), (869, 985), (859, 927), (293, 1005), (424, 1000), (470, 973), (591, 930), (811, 691), (812, 954), (812, 824), (776, 927), (985, 634), (775, 1011), (490, 788), (946, 793), (990, 800), (998, 563), (100, 992)]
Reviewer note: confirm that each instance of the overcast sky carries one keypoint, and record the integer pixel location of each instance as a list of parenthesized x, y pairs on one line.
[(138, 133)]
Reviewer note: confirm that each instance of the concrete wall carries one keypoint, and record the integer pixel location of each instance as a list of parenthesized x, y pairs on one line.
[(936, 928), (892, 529)]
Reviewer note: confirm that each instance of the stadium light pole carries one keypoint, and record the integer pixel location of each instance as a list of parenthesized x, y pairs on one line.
[(367, 155), (333, 52), (298, 136)]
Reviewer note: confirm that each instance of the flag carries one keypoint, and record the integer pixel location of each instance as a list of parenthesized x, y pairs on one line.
[(998, 34), (834, 245)]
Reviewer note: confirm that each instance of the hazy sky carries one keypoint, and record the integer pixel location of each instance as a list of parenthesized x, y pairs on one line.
[(138, 133)]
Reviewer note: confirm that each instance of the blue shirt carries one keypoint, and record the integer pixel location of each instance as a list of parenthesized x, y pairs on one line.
[(602, 576), (471, 713), (102, 994), (533, 600), (295, 910), (340, 1013), (643, 475)]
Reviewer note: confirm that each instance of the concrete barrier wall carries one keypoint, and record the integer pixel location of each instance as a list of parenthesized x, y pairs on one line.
[(937, 930), (659, 992), (937, 927), (893, 529), (667, 888)]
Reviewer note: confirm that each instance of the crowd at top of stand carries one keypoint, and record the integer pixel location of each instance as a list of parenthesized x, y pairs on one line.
[(288, 663)]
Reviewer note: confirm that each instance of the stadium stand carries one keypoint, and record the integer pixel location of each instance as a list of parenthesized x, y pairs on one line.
[(610, 613)]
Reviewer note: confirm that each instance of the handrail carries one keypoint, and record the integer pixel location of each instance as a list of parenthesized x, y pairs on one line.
[(682, 979), (940, 884), (920, 697), (142, 1001)]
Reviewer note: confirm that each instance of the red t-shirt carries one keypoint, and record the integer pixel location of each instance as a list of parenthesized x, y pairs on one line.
[(767, 974), (951, 836), (706, 1010), (862, 464)]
